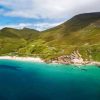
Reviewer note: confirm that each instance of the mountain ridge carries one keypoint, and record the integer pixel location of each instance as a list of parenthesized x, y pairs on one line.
[(81, 33)]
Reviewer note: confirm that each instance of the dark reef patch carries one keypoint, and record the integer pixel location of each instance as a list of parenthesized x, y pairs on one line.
[(9, 67)]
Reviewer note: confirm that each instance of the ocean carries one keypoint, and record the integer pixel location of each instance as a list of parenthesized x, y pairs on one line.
[(20, 80)]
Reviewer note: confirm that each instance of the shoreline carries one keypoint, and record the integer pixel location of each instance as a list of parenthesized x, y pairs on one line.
[(39, 60), (32, 59)]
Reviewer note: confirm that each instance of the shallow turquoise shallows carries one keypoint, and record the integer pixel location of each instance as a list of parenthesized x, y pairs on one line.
[(39, 81)]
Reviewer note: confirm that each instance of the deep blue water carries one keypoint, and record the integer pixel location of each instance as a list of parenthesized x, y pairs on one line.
[(38, 81)]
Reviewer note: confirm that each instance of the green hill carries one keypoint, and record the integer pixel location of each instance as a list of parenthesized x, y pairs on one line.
[(80, 33), (25, 33), (75, 30), (11, 40)]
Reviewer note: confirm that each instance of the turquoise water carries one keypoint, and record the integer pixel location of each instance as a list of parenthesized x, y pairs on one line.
[(39, 81)]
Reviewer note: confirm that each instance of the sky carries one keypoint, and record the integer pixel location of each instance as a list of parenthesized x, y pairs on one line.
[(42, 14)]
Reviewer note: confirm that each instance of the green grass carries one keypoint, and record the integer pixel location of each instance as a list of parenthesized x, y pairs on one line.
[(81, 33)]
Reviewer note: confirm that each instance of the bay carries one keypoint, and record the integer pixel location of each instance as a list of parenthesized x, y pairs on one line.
[(20, 80)]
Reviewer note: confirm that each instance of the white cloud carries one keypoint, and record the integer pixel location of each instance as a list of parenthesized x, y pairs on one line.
[(37, 26), (44, 26), (18, 26), (50, 8), (57, 10)]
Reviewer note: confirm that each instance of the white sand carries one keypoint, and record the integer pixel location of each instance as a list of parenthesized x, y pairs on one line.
[(37, 59), (22, 58), (97, 63)]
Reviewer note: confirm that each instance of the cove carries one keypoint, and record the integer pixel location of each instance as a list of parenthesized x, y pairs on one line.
[(20, 80)]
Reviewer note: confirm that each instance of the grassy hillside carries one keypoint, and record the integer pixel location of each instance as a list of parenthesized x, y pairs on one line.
[(11, 40), (73, 29), (25, 33), (82, 33)]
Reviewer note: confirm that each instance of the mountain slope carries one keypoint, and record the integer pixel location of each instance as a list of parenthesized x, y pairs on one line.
[(73, 31), (79, 34), (11, 40), (24, 33)]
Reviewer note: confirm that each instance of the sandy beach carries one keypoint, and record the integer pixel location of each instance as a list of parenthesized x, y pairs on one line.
[(37, 59)]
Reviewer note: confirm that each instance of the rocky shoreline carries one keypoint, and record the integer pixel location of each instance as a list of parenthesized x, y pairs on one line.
[(75, 58), (67, 60), (76, 63)]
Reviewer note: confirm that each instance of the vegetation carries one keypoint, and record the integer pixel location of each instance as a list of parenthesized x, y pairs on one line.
[(81, 33)]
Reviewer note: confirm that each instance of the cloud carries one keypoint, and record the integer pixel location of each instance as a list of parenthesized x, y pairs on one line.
[(18, 26), (50, 9), (44, 26), (48, 13), (37, 26)]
